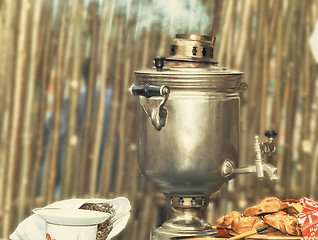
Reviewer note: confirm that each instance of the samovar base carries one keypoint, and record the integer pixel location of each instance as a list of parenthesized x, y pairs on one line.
[(163, 233), (186, 221)]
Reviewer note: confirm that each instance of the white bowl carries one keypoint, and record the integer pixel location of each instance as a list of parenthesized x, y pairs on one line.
[(71, 217)]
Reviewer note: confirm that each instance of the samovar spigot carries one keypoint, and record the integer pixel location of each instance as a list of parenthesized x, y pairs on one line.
[(262, 149)]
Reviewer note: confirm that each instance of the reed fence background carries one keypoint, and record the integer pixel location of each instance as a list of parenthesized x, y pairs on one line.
[(50, 48)]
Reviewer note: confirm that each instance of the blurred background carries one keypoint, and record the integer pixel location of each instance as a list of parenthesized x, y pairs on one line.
[(68, 124)]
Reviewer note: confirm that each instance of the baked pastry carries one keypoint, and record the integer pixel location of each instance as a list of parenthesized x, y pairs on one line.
[(284, 222), (239, 224), (267, 205), (295, 209), (267, 212), (226, 221), (245, 224)]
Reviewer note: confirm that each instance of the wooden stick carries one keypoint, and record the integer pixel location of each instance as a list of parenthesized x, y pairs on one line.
[(277, 103), (107, 52), (122, 130), (216, 17), (144, 220), (227, 58), (274, 22), (314, 115), (278, 100), (201, 238), (265, 69), (109, 148), (257, 73), (3, 96), (240, 236), (45, 76), (74, 53), (16, 113), (93, 24), (50, 170), (3, 83), (306, 154), (27, 123), (7, 70), (246, 132), (105, 44), (291, 104), (243, 35), (224, 32), (132, 171), (114, 126), (314, 168)]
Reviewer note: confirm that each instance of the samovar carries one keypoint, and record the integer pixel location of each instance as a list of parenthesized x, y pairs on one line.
[(188, 126)]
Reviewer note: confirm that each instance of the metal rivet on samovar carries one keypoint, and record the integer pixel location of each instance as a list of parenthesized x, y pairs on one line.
[(188, 130)]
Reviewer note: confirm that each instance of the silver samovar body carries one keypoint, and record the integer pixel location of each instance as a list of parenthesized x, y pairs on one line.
[(188, 126)]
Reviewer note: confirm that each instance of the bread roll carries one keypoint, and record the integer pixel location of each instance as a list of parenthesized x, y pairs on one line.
[(266, 212), (284, 222), (245, 224), (267, 205), (226, 221)]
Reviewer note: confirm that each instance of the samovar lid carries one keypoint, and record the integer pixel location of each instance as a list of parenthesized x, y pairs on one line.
[(190, 54)]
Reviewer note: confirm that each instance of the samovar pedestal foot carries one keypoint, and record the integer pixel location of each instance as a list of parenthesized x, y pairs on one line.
[(186, 220), (166, 234)]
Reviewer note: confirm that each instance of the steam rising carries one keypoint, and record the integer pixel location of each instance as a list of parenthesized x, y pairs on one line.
[(172, 16)]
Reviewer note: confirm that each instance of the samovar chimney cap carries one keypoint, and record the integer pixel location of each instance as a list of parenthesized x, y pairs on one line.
[(192, 49)]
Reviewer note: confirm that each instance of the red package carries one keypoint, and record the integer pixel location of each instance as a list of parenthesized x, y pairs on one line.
[(223, 231), (309, 205), (308, 219)]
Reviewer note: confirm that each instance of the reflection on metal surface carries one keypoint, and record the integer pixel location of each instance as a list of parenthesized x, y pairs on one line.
[(156, 111)]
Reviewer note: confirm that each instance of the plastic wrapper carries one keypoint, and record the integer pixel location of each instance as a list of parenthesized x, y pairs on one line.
[(308, 219)]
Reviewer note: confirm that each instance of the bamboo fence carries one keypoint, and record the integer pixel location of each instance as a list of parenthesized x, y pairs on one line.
[(53, 51)]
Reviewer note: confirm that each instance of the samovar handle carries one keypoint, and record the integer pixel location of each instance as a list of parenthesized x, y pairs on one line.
[(157, 112), (148, 90)]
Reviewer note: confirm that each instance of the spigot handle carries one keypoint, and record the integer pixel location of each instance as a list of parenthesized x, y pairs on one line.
[(268, 146), (270, 133)]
